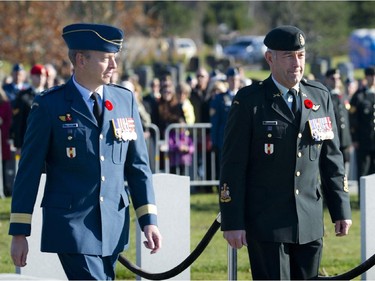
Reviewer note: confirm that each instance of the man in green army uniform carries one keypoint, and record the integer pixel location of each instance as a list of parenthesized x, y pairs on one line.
[(281, 157)]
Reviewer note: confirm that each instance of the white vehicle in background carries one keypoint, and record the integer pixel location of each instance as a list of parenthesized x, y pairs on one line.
[(185, 47), (246, 49)]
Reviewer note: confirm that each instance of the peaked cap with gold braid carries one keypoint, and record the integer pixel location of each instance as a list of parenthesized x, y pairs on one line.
[(96, 37)]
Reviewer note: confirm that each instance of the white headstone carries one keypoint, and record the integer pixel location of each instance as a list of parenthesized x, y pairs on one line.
[(172, 194), (367, 189)]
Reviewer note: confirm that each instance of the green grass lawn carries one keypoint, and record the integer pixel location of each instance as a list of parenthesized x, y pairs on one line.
[(339, 254)]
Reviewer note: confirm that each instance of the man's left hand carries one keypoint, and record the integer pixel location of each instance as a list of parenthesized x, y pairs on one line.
[(153, 237), (342, 227)]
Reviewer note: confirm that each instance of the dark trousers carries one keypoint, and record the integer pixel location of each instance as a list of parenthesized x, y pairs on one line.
[(366, 162), (88, 267), (284, 261)]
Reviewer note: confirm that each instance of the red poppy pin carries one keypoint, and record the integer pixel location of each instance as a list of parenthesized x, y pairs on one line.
[(68, 117), (308, 103), (108, 105)]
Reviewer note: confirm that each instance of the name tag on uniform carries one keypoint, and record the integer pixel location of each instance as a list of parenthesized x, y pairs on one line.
[(124, 129), (69, 125), (270, 123), (321, 129)]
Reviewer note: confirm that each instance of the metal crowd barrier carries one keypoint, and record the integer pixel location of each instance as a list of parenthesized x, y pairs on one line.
[(152, 136), (202, 171)]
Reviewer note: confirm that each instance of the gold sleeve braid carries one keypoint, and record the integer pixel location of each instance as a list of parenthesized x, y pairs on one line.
[(146, 209), (20, 218)]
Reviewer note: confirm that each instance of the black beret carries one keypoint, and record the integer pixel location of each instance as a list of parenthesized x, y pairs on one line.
[(285, 38), (96, 37), (369, 71)]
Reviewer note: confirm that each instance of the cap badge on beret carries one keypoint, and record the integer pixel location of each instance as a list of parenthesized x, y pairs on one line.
[(301, 40), (99, 37)]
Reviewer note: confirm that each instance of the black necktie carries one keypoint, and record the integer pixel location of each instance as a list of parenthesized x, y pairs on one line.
[(295, 108), (97, 108)]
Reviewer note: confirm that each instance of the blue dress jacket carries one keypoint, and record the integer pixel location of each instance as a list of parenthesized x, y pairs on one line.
[(85, 203)]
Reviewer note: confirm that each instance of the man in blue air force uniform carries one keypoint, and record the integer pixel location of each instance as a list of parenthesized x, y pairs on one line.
[(89, 147), (277, 145)]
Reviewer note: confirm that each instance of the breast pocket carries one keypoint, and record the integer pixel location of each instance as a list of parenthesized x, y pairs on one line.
[(119, 149), (314, 150), (273, 130)]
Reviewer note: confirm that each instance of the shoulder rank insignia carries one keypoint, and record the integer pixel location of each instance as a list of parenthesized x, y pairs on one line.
[(52, 89), (225, 194)]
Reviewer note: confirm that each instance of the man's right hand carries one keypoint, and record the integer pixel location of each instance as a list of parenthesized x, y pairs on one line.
[(236, 238), (19, 250)]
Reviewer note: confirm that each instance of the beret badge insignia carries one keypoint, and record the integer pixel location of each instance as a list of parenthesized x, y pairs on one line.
[(301, 40)]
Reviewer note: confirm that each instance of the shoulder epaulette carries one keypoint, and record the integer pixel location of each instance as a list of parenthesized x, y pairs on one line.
[(53, 89), (253, 88), (314, 84), (118, 86), (258, 83)]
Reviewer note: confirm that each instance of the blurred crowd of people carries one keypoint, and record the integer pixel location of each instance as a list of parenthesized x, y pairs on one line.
[(354, 105), (202, 97), (17, 93)]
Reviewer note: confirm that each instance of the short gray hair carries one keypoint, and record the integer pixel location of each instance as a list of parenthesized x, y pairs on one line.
[(72, 55)]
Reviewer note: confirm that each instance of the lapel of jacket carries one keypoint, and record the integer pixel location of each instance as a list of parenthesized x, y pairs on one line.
[(305, 112), (78, 105), (277, 101), (110, 99)]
